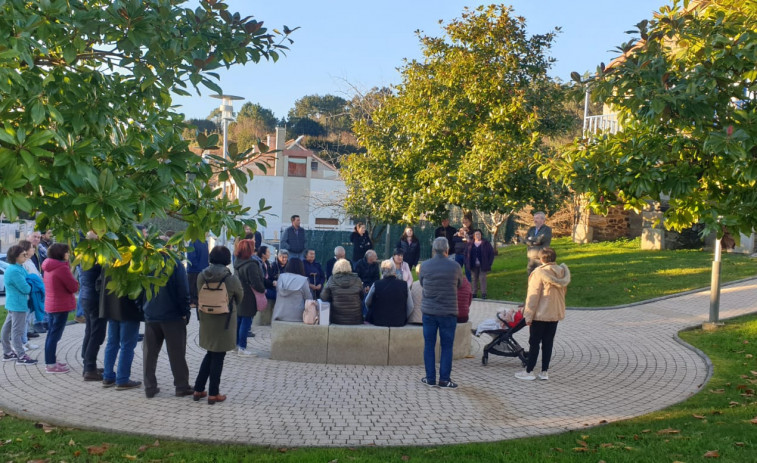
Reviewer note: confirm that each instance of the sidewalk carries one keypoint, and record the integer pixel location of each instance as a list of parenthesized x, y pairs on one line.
[(608, 365)]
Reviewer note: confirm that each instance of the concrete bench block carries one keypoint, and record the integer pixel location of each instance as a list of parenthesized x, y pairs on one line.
[(298, 342), (358, 344), (406, 345)]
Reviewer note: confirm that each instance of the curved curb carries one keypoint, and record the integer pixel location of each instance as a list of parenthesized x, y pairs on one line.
[(633, 304)]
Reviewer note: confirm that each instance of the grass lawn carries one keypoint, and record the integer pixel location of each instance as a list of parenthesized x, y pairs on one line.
[(721, 420), (617, 272)]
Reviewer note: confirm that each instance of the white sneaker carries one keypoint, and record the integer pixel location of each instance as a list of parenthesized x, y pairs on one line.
[(30, 346), (543, 376), (525, 375), (244, 352)]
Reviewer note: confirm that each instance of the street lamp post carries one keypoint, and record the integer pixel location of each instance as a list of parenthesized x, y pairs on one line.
[(227, 115)]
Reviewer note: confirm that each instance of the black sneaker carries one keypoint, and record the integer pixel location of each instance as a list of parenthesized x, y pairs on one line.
[(151, 394), (12, 357), (250, 334), (424, 380), (109, 382), (131, 384), (92, 376), (32, 335), (25, 361), (448, 384)]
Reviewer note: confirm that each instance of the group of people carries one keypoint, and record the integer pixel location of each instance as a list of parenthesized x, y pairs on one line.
[(41, 290)]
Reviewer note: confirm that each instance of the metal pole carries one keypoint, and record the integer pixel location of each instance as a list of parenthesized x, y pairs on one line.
[(586, 109), (715, 284), (387, 242), (225, 123)]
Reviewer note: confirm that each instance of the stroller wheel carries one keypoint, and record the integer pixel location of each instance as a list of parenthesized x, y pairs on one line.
[(484, 360)]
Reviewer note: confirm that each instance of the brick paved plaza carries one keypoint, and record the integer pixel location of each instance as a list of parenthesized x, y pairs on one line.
[(609, 365)]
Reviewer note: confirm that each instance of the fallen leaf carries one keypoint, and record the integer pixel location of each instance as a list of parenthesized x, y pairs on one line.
[(646, 431), (635, 437), (142, 448), (98, 449), (2, 413), (77, 453), (585, 437), (733, 403), (602, 421), (753, 420), (557, 449), (71, 443), (580, 449), (741, 387), (130, 457), (668, 431), (746, 342), (47, 460), (45, 427), (51, 452), (699, 417), (282, 450), (607, 446), (405, 458), (156, 444), (750, 371), (712, 454), (582, 443), (749, 356), (334, 461), (628, 448), (738, 444), (717, 391)]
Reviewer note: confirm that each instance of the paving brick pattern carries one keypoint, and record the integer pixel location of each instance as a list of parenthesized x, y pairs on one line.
[(608, 365)]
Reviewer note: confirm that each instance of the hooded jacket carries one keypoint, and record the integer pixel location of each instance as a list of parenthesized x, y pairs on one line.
[(291, 292), (60, 286), (344, 291), (171, 302), (215, 334), (249, 274), (546, 293)]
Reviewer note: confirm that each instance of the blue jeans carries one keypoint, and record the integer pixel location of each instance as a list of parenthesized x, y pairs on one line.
[(122, 336), (79, 308), (445, 325), (55, 331), (243, 327)]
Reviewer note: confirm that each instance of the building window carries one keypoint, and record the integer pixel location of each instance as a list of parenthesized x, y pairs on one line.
[(314, 165), (330, 222), (297, 167)]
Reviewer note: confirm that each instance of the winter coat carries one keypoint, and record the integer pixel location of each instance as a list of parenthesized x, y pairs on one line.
[(37, 296), (464, 299), (403, 273), (536, 241), (440, 278), (88, 283), (416, 292), (16, 289), (344, 291), (411, 251), (291, 292), (294, 241), (249, 274), (485, 253), (388, 302), (197, 260), (314, 268), (60, 286), (547, 286), (447, 232), (120, 309), (171, 302), (368, 273), (215, 334), (360, 244)]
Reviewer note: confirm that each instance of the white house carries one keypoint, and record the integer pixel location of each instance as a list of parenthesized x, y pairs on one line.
[(299, 182)]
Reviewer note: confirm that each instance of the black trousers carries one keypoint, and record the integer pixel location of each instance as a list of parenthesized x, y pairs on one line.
[(211, 367), (174, 333), (94, 333), (192, 279), (541, 333)]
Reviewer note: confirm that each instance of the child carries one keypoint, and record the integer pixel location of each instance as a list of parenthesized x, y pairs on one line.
[(16, 303)]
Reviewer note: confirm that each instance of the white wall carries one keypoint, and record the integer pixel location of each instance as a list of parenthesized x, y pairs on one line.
[(271, 189), (328, 191)]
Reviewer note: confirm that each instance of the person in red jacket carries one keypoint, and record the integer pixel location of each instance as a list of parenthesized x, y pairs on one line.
[(60, 287), (464, 299)]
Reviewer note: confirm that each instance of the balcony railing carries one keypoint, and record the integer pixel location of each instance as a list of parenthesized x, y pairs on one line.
[(605, 123)]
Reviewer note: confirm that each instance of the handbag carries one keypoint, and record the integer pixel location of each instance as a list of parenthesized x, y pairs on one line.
[(260, 300)]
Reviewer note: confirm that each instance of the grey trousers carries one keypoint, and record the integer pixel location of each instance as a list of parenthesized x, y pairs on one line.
[(174, 333), (13, 331)]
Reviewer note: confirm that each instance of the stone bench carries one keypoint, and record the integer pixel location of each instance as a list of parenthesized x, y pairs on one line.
[(358, 344)]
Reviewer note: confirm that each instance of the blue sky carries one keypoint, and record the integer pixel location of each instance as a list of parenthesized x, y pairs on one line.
[(341, 44)]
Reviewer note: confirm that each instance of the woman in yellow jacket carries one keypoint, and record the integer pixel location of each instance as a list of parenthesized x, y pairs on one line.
[(545, 306)]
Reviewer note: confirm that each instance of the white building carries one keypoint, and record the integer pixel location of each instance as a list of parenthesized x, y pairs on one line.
[(297, 181)]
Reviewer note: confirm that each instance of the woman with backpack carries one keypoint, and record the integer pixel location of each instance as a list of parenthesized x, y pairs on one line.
[(218, 332), (250, 274)]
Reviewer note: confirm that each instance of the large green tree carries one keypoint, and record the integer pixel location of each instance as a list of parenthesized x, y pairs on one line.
[(88, 135), (465, 126), (252, 124), (684, 94)]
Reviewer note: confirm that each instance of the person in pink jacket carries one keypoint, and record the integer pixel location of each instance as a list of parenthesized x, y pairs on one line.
[(60, 288)]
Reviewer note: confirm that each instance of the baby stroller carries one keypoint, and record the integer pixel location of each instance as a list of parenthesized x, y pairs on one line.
[(503, 343)]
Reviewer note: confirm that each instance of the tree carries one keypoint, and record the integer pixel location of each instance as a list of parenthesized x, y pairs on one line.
[(330, 111), (308, 126), (252, 124), (685, 98), (89, 139), (261, 115), (684, 95), (465, 125)]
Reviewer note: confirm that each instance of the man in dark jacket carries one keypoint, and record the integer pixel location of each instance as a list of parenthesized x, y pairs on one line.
[(389, 301), (197, 261), (293, 239), (314, 273), (166, 317), (446, 231), (538, 237), (440, 278), (339, 253), (367, 269)]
